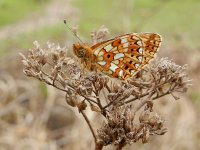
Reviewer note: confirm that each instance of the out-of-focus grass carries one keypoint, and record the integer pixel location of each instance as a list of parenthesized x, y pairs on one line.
[(43, 89), (55, 33), (194, 96), (178, 17), (166, 17), (93, 13), (13, 10)]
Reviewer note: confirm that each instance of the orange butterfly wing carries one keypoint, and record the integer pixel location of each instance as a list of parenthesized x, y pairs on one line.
[(124, 56)]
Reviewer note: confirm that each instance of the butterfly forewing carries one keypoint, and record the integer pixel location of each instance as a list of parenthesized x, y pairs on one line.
[(124, 56)]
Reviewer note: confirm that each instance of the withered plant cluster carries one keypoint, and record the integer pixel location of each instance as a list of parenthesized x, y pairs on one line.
[(126, 106)]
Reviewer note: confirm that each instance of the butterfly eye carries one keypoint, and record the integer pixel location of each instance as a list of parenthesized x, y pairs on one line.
[(81, 53)]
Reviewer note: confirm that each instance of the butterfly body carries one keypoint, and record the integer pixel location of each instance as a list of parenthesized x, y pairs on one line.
[(121, 57), (85, 53)]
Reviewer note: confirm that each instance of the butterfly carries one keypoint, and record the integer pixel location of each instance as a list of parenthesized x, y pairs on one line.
[(121, 57)]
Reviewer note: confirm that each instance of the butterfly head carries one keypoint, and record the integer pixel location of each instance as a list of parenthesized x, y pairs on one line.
[(79, 50)]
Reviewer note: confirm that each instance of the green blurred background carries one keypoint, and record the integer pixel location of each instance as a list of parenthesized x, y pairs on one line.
[(23, 99)]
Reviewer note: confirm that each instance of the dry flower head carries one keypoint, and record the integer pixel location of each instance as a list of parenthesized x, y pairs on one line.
[(126, 106)]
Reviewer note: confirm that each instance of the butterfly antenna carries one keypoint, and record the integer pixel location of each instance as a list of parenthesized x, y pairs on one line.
[(65, 22)]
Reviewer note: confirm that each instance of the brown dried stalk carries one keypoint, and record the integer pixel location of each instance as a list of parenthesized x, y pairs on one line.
[(127, 106)]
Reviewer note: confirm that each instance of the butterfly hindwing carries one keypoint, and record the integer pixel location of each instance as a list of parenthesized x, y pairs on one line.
[(125, 55), (151, 42)]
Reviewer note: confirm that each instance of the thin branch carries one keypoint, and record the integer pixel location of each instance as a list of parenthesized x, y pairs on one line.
[(141, 104), (107, 87), (160, 85), (98, 146), (89, 99), (135, 98), (90, 126), (99, 101)]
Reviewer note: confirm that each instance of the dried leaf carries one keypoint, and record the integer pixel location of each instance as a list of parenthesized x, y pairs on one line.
[(71, 100), (22, 55), (82, 106), (95, 108), (174, 96)]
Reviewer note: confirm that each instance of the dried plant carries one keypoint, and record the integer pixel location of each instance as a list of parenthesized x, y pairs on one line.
[(126, 106)]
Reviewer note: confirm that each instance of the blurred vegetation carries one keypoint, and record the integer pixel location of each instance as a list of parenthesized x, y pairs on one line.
[(54, 33), (12, 11), (166, 17)]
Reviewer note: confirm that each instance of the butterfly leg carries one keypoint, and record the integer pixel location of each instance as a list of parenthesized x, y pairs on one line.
[(95, 69), (83, 66)]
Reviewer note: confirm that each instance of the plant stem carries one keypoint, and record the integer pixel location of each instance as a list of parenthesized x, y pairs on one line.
[(121, 145), (98, 146), (90, 126)]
